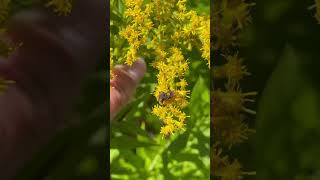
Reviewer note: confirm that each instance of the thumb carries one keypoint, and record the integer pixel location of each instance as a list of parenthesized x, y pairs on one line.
[(126, 80)]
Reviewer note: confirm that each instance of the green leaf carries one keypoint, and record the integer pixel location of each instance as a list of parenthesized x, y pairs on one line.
[(66, 150), (179, 144), (127, 142), (129, 128), (274, 120), (198, 101)]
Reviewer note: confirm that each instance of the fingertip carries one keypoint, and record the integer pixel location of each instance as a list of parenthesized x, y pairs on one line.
[(124, 84), (140, 64), (138, 69)]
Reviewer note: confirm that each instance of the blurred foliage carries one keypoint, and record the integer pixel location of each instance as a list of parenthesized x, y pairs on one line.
[(231, 115), (78, 151), (138, 150), (283, 53), (8, 8)]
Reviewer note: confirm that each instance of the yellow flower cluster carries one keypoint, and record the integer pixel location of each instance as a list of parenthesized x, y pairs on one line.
[(172, 117), (224, 168), (228, 102), (205, 39), (164, 31), (157, 20), (111, 64), (170, 69), (62, 7), (318, 11), (171, 91), (193, 27), (4, 7), (233, 70), (137, 32), (235, 17), (229, 122)]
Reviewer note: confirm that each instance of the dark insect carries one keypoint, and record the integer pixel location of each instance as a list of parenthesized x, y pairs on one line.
[(165, 96)]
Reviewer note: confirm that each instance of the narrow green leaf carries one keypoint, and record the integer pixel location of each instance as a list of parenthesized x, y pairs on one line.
[(127, 142)]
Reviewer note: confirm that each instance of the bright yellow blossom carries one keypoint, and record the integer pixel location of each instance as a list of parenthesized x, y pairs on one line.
[(167, 130), (164, 31), (204, 35), (111, 64)]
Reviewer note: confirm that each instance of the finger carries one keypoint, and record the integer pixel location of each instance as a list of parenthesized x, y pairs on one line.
[(124, 84), (57, 53)]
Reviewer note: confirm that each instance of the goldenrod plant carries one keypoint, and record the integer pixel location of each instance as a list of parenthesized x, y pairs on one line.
[(62, 7), (316, 6), (229, 112), (9, 7), (164, 133), (164, 32), (61, 156)]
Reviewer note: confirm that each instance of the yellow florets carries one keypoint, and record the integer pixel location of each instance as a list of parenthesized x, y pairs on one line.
[(164, 31), (62, 7), (172, 117), (204, 35), (137, 32), (317, 15), (170, 80), (171, 73), (111, 64), (4, 8), (228, 102), (317, 6)]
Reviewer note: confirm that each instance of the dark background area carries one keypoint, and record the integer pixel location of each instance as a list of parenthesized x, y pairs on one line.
[(79, 151), (283, 57)]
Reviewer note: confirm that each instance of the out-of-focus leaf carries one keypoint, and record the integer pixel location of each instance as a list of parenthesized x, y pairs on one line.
[(179, 144), (129, 128), (66, 150), (274, 115), (198, 102), (114, 153), (127, 142)]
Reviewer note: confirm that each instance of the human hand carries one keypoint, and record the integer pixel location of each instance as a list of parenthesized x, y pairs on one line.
[(57, 54), (124, 84)]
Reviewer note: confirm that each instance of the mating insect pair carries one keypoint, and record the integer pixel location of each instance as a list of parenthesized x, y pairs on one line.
[(163, 97)]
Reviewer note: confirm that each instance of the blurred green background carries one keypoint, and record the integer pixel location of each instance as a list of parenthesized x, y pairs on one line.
[(79, 151), (283, 58)]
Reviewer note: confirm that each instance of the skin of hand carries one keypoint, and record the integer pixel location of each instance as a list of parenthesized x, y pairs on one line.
[(56, 55), (124, 84)]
